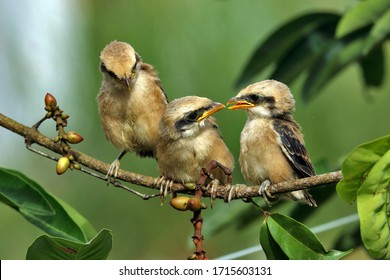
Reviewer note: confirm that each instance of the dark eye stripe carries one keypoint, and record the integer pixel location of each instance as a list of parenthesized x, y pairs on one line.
[(104, 69), (191, 117), (256, 98)]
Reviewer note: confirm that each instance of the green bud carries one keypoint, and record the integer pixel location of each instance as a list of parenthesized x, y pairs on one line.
[(74, 137), (190, 186), (62, 165)]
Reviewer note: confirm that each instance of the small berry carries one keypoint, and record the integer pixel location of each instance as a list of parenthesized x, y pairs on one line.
[(62, 165)]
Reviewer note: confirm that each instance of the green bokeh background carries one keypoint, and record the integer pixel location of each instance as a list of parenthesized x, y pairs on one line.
[(198, 48)]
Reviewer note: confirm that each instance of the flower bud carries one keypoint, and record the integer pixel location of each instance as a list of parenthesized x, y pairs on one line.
[(64, 116), (190, 186), (56, 139), (194, 204), (62, 165), (50, 101), (180, 203), (74, 137)]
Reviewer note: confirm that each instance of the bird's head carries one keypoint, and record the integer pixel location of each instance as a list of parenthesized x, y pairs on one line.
[(185, 117), (267, 99), (119, 61)]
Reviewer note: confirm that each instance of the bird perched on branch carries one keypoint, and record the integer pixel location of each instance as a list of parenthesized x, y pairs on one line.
[(190, 140), (131, 102), (272, 146)]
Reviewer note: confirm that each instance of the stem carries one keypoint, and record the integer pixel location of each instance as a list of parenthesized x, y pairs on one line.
[(32, 135)]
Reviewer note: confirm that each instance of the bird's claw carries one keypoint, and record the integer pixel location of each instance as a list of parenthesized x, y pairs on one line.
[(113, 171), (165, 187), (230, 194), (214, 183), (265, 193)]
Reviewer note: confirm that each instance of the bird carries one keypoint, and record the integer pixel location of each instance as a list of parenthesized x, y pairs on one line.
[(272, 148), (131, 101), (190, 140)]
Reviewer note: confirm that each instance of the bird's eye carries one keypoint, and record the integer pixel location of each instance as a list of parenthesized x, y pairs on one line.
[(193, 116), (133, 70), (255, 98)]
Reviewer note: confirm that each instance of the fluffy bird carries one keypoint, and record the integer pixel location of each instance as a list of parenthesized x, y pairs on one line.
[(272, 149), (131, 102), (190, 140)]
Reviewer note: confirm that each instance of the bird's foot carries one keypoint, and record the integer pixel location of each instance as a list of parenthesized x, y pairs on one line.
[(214, 183), (113, 171), (212, 186), (265, 193), (232, 189), (165, 186)]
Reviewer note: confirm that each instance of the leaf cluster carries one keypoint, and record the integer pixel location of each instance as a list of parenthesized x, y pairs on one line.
[(320, 45)]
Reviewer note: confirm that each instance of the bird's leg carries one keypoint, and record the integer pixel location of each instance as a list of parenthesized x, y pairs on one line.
[(214, 182), (264, 192), (114, 167)]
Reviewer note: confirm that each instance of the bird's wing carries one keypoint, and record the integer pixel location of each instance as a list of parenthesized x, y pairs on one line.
[(293, 148)]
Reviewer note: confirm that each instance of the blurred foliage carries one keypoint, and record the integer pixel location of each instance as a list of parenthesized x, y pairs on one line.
[(323, 44), (198, 47)]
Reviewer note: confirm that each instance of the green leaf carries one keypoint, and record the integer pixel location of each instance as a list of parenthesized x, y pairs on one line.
[(86, 227), (271, 249), (297, 241), (338, 55), (301, 55), (23, 194), (378, 33), (280, 41), (373, 206), (55, 248), (42, 209), (362, 14), (373, 67), (357, 166)]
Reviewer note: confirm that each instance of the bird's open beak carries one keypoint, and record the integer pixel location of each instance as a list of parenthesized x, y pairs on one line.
[(239, 104), (215, 108)]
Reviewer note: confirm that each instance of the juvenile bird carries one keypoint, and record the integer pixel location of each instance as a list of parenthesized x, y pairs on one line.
[(190, 140), (271, 145), (131, 102)]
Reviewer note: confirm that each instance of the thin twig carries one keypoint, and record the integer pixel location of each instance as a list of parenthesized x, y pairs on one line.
[(32, 135)]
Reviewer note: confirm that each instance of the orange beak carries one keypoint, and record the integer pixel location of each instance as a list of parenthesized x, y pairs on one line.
[(239, 104), (216, 107)]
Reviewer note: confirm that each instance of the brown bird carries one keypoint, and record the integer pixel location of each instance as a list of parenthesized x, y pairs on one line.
[(190, 140), (131, 102), (272, 146)]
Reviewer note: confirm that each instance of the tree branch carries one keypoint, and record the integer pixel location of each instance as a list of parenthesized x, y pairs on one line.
[(238, 191)]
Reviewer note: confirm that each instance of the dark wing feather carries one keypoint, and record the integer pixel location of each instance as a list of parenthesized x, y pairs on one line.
[(294, 149)]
